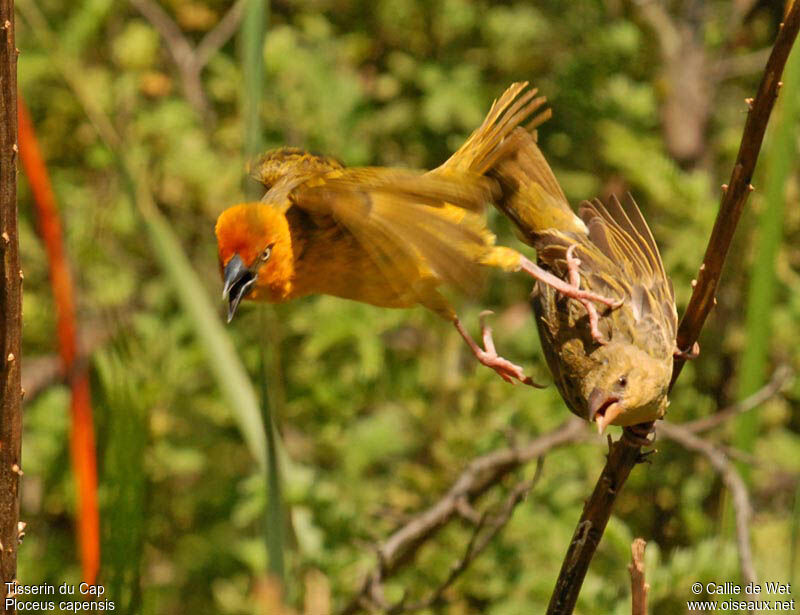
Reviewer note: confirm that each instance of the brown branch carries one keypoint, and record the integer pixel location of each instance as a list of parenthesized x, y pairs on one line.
[(686, 105), (189, 60), (219, 35), (625, 453), (738, 189), (476, 545), (181, 51), (10, 309), (479, 476), (639, 588), (768, 391), (733, 481)]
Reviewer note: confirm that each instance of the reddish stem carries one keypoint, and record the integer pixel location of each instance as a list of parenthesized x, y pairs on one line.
[(82, 443)]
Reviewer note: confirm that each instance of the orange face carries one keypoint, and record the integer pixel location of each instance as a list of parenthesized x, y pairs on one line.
[(255, 254)]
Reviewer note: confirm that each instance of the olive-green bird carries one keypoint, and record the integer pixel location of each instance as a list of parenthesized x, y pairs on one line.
[(614, 367)]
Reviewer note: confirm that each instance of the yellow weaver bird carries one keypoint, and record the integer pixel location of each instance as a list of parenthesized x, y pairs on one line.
[(384, 236), (613, 368)]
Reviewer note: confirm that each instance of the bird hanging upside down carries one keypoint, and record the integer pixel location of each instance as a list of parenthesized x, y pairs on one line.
[(613, 369), (384, 236)]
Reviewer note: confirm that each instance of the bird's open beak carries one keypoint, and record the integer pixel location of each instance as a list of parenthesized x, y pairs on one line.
[(603, 409), (238, 281)]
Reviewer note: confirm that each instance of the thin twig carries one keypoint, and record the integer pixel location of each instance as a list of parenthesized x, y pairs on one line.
[(732, 480), (478, 477), (476, 545), (639, 587), (626, 452), (10, 309), (623, 455), (781, 375), (181, 51), (212, 42), (189, 60), (738, 189)]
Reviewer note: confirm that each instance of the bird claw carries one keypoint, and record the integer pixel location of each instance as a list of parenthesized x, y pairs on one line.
[(639, 435), (571, 288), (586, 297), (508, 371), (688, 355)]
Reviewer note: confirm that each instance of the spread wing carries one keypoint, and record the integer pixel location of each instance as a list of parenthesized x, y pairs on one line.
[(619, 258), (418, 228)]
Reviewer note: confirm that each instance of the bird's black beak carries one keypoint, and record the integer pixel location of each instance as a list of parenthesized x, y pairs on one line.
[(239, 280)]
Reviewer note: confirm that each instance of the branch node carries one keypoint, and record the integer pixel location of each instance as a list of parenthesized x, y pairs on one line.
[(467, 511)]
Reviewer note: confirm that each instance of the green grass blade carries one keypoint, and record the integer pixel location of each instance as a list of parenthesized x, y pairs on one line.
[(253, 30), (220, 352), (275, 520), (252, 39), (123, 480)]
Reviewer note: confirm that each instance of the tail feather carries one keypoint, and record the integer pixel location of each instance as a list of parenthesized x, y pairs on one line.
[(532, 197), (506, 151), (487, 144)]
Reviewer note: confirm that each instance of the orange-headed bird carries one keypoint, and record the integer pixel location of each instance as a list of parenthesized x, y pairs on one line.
[(385, 236)]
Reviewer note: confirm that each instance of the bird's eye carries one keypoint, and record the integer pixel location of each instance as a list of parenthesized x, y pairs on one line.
[(264, 256), (622, 381)]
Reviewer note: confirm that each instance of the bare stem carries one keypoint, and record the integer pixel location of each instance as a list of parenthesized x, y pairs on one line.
[(735, 194), (639, 587), (10, 309), (477, 478), (625, 453)]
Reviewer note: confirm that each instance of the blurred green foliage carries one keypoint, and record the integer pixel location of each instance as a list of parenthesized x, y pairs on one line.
[(379, 410)]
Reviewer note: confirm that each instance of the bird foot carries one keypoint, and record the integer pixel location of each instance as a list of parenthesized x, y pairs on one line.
[(573, 263), (688, 355), (488, 356), (639, 435), (573, 290)]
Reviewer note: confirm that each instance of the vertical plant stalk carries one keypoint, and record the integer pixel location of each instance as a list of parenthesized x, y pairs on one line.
[(10, 309), (626, 452), (639, 587), (82, 442), (252, 41)]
